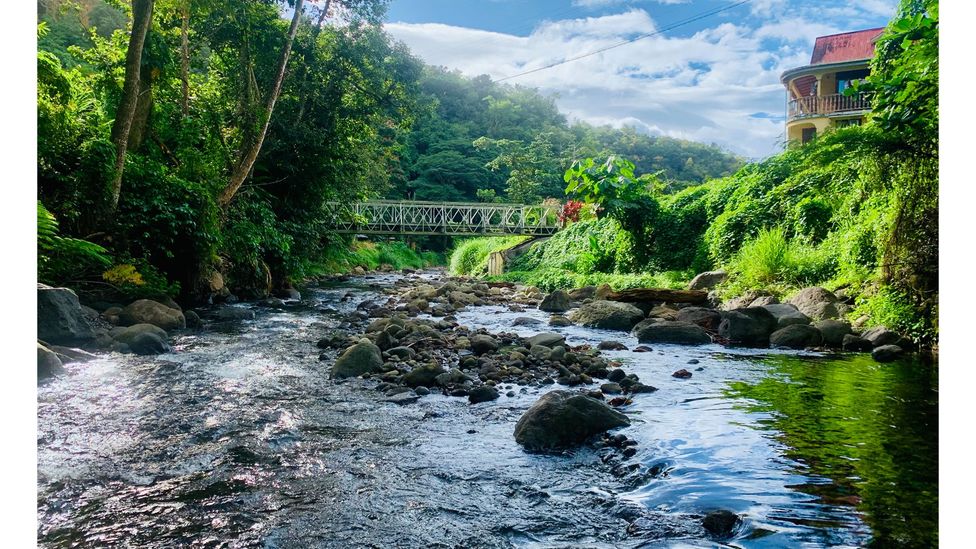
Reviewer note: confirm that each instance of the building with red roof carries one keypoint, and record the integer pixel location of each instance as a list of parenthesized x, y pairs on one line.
[(815, 92)]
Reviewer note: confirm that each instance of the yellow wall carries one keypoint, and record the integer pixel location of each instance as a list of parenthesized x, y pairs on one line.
[(794, 130)]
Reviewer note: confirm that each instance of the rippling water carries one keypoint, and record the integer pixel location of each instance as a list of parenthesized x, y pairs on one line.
[(239, 439)]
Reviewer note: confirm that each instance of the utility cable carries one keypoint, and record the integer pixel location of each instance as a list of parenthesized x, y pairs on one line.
[(698, 17)]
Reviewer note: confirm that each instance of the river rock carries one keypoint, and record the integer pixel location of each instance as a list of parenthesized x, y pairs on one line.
[(786, 314), (708, 280), (750, 326), (682, 374), (579, 294), (610, 315), (547, 339), (851, 342), (559, 320), (887, 353), (362, 358), (526, 321), (563, 419), (60, 318), (48, 363), (147, 311), (142, 339), (482, 394), (611, 388), (815, 302), (879, 336), (610, 345), (229, 313), (764, 300), (673, 331), (721, 524), (702, 316), (743, 301), (796, 336), (833, 331), (556, 302), (540, 352), (70, 354), (404, 353), (424, 376), (481, 344), (452, 377)]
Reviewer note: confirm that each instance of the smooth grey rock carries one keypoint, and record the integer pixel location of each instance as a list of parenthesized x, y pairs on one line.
[(482, 394), (142, 339), (750, 326), (362, 358), (786, 314), (708, 280), (547, 339), (815, 302), (424, 376), (481, 344), (559, 320), (796, 336), (60, 318), (228, 313), (702, 316), (147, 311), (673, 331), (854, 343), (48, 363), (610, 315), (563, 419), (887, 353), (879, 335), (556, 302), (833, 331)]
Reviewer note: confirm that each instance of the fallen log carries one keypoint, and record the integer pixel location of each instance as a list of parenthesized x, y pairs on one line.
[(637, 295)]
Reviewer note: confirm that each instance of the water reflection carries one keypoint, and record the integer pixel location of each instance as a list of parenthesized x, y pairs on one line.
[(863, 435)]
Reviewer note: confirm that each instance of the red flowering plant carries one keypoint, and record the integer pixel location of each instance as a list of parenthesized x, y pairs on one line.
[(571, 211)]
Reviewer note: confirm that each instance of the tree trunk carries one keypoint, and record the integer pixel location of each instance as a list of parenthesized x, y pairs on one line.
[(144, 105), (141, 17), (185, 58), (246, 162)]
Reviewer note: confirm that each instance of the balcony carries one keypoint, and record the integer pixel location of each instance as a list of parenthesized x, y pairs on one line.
[(826, 105)]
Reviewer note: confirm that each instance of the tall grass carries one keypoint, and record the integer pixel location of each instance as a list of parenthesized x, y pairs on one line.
[(770, 259), (370, 255), (470, 257)]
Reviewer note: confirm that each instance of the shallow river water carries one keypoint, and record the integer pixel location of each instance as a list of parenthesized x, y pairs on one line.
[(239, 438)]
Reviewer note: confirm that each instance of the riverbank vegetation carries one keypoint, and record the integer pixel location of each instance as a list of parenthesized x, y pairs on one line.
[(185, 140), (855, 210)]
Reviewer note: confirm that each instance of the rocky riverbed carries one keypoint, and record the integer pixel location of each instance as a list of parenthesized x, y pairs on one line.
[(409, 410)]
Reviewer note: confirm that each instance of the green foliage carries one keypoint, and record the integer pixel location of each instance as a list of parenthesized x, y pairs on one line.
[(554, 278), (62, 259), (897, 311), (583, 248), (344, 256), (470, 256), (770, 259)]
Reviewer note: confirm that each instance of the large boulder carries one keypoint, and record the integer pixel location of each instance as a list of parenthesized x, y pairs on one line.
[(556, 302), (702, 316), (147, 311), (749, 326), (708, 280), (362, 358), (610, 315), (833, 331), (563, 419), (60, 318), (672, 331), (48, 363), (796, 336), (817, 303), (854, 343), (142, 339), (879, 336), (424, 376), (481, 344), (786, 314), (887, 353), (547, 339)]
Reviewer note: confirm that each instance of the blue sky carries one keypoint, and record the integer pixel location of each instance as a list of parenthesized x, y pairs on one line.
[(715, 80)]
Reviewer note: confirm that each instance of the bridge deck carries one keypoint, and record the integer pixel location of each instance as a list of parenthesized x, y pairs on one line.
[(434, 218)]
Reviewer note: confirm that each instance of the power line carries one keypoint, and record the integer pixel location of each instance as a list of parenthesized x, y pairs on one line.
[(698, 17)]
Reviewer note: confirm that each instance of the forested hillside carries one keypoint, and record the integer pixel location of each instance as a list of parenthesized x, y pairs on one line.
[(205, 141)]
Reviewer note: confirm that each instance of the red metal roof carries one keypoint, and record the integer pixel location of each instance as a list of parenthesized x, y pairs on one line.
[(847, 46)]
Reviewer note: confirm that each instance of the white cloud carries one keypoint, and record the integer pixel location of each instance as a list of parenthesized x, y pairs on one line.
[(706, 87)]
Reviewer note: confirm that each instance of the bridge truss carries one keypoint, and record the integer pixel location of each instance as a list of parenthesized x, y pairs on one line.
[(433, 218)]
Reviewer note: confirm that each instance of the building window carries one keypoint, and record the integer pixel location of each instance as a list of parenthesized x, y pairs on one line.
[(848, 122), (846, 78), (807, 134)]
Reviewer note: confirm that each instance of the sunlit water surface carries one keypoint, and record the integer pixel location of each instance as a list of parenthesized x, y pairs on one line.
[(239, 438)]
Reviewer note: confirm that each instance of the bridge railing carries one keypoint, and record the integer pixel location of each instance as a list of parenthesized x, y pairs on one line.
[(452, 218)]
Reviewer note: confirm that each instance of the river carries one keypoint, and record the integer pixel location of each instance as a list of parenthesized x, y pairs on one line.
[(240, 438)]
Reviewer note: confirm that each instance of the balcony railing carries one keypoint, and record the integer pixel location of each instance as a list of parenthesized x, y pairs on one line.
[(822, 105)]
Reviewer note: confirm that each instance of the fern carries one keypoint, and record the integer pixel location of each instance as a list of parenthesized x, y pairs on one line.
[(61, 258)]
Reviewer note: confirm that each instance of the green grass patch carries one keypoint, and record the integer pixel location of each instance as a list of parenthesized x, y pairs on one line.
[(470, 256), (370, 255), (554, 278)]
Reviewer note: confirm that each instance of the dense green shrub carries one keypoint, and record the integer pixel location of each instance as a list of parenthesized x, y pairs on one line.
[(470, 257)]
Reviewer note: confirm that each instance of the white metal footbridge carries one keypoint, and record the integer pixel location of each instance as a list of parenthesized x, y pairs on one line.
[(438, 218)]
